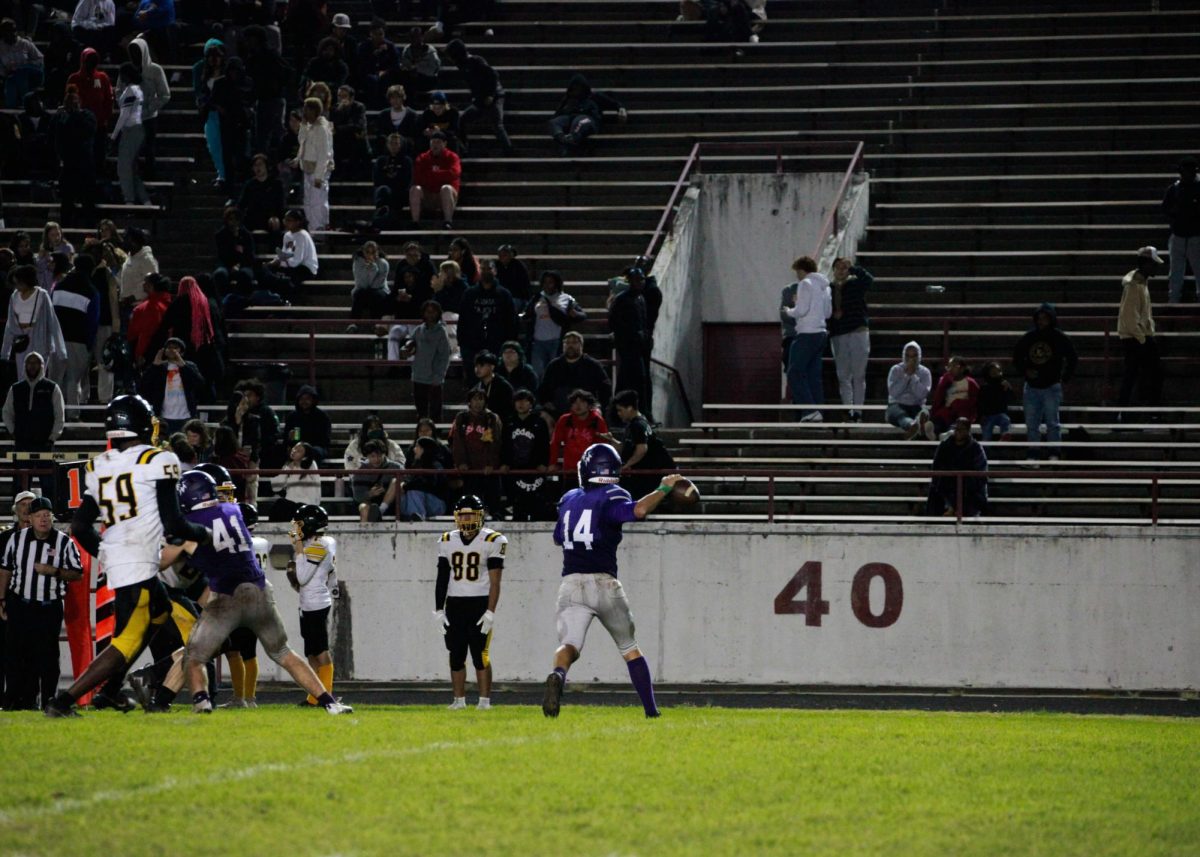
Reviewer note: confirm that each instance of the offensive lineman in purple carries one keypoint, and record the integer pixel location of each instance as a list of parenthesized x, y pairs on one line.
[(228, 560), (589, 528)]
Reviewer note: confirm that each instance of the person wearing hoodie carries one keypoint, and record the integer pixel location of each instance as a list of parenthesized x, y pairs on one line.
[(429, 346), (156, 93), (811, 305), (32, 324), (95, 95), (513, 275), (73, 131), (513, 367), (955, 396), (147, 316), (33, 412), (190, 319), (548, 316), (308, 424), (994, 393), (130, 134), (580, 114), (487, 95), (206, 71), (908, 384), (77, 305), (94, 24), (233, 98), (959, 451), (1046, 360)]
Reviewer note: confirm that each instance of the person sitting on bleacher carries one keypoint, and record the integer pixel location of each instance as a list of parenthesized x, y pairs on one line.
[(392, 178), (414, 277), (397, 118), (439, 116), (908, 385), (955, 397), (420, 65), (378, 65), (326, 67), (309, 424), (487, 95), (296, 262), (370, 295), (959, 451), (22, 66), (94, 24), (296, 485), (580, 114), (262, 201), (352, 149), (437, 176), (235, 254), (994, 395), (370, 489)]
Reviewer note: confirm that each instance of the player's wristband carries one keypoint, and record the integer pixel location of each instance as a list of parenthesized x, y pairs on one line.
[(664, 488)]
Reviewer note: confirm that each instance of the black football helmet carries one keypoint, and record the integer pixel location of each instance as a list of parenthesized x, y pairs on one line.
[(249, 514), (131, 416), (311, 519), (226, 491), (468, 515), (116, 353)]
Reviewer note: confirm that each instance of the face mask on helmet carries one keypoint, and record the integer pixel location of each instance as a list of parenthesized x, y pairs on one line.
[(469, 521)]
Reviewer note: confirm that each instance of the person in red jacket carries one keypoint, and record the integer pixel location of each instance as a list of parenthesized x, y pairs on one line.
[(436, 177), (576, 430), (955, 396), (96, 95), (148, 315), (476, 436)]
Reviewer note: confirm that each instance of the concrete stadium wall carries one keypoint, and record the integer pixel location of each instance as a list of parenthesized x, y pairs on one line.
[(1089, 608)]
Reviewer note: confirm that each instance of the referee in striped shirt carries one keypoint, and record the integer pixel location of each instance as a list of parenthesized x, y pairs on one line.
[(35, 568)]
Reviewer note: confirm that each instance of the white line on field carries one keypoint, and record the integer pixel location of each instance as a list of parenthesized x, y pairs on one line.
[(65, 805)]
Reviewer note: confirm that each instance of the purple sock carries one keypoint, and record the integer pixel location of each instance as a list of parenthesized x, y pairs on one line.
[(561, 673), (639, 674)]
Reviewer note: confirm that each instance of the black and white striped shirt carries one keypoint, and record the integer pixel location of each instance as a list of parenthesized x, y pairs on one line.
[(24, 549)]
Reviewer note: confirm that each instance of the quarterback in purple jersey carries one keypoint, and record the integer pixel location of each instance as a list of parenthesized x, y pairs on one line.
[(588, 531), (241, 594)]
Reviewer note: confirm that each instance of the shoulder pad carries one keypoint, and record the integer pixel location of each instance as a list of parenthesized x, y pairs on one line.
[(445, 537), (147, 456), (315, 552)]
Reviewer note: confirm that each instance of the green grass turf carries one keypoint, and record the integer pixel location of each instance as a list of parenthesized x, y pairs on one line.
[(421, 780)]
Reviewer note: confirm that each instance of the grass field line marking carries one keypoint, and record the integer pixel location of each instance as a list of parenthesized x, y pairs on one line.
[(229, 775)]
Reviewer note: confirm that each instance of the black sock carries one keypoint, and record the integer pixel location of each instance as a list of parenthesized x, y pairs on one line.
[(163, 696), (199, 697), (326, 699)]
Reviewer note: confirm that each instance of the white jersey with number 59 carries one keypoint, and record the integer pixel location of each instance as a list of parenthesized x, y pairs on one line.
[(124, 485)]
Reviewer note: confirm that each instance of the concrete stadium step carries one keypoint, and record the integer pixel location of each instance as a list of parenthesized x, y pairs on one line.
[(1054, 216), (958, 237)]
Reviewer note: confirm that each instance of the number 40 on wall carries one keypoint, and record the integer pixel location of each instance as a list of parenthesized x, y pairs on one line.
[(813, 607)]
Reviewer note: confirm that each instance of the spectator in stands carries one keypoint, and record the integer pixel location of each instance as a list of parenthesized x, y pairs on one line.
[(551, 314), (104, 280), (908, 384), (849, 335), (476, 436), (315, 160), (21, 65), (437, 175), (392, 178), (580, 114), (526, 447), (513, 275), (235, 253), (189, 317), (372, 428), (414, 277), (271, 76), (183, 450), (205, 73), (61, 60), (421, 494), (326, 67), (1182, 207), (576, 429), (77, 306), (73, 131), (352, 149), (96, 96), (487, 318), (254, 422), (33, 413), (296, 262), (322, 93), (570, 372), (147, 316), (449, 286), (956, 395), (1135, 327), (1046, 359), (641, 448), (460, 252), (156, 93), (810, 307), (130, 135), (296, 486), (94, 24), (285, 153), (439, 116), (308, 423), (514, 369), (398, 118), (198, 438), (370, 489), (263, 201), (959, 451), (342, 32), (155, 18), (498, 391), (378, 63), (32, 325), (487, 95), (174, 386), (139, 263), (233, 98), (994, 395), (627, 322), (420, 65), (370, 296), (429, 346), (37, 143), (22, 247), (226, 453), (53, 242)]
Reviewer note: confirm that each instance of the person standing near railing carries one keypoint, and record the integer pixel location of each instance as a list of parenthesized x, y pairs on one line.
[(849, 333), (811, 305)]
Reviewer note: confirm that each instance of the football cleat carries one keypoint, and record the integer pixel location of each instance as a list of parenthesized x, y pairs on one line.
[(458, 704), (235, 703), (123, 703), (339, 707), (484, 705), (204, 706), (61, 708), (553, 697), (143, 692)]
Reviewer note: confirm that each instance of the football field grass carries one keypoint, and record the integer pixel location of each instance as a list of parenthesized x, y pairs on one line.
[(598, 781)]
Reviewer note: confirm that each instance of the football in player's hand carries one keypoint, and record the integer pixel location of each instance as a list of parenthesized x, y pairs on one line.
[(685, 493)]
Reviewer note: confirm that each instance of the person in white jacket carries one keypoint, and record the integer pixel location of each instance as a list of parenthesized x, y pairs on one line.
[(156, 93), (315, 160), (296, 261), (908, 385), (130, 133), (296, 485), (810, 306)]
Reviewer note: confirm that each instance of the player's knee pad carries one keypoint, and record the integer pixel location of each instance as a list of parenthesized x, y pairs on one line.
[(280, 655)]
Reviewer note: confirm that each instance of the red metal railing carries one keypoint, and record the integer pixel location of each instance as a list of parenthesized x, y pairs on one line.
[(852, 148)]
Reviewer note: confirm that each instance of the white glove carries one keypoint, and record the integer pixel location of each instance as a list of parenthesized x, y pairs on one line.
[(486, 621), (442, 622)]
